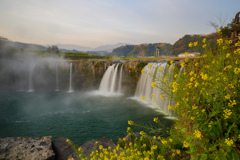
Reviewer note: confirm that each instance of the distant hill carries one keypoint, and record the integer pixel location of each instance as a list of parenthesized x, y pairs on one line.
[(181, 45), (26, 45), (142, 49), (107, 48), (167, 49)]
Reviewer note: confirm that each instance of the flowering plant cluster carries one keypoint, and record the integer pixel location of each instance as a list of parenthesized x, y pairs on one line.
[(206, 96)]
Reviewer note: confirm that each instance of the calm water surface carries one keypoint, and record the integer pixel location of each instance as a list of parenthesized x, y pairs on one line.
[(78, 116)]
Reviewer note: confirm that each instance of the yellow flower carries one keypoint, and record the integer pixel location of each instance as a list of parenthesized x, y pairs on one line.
[(227, 113), (219, 31), (203, 110), (173, 154), (169, 107), (204, 40), (144, 145), (232, 103), (153, 84), (185, 144), (227, 96), (130, 122), (229, 142), (150, 65), (219, 41), (196, 64), (143, 98), (171, 62), (153, 95), (195, 43), (170, 140), (197, 134), (186, 53), (154, 147), (164, 80), (204, 46), (228, 55), (192, 118), (190, 44), (67, 140), (142, 71), (79, 149), (155, 119), (237, 71), (128, 129), (154, 137), (178, 151), (186, 60), (160, 67), (161, 97), (100, 147), (142, 133)]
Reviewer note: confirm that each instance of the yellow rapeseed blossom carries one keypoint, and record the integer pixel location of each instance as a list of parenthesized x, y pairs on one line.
[(237, 62), (232, 103), (100, 147), (229, 142), (196, 64), (160, 67), (169, 107), (153, 95), (203, 110), (197, 134), (185, 144), (228, 55), (79, 149), (227, 113), (171, 62), (220, 41), (150, 65), (170, 140), (164, 141), (161, 97), (153, 84), (178, 151), (186, 53), (183, 65), (204, 46), (155, 119), (190, 44), (227, 97), (130, 122), (164, 80), (237, 71), (204, 40), (219, 31), (67, 140), (195, 43), (143, 98), (187, 59), (143, 71), (210, 124)]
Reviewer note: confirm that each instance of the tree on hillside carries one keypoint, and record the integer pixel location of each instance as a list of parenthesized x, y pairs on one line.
[(53, 49)]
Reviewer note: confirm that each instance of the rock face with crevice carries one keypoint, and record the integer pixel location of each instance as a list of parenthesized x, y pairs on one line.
[(26, 148)]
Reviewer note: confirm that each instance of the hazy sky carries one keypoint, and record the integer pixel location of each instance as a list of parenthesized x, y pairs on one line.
[(93, 23)]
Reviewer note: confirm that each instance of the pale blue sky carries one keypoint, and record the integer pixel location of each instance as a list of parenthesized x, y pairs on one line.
[(93, 23)]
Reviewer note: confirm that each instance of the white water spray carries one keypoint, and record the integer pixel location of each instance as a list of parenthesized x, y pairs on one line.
[(70, 79), (57, 85), (120, 80), (30, 77)]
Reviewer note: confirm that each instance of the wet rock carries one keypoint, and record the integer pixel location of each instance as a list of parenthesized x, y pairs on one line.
[(62, 148), (26, 148)]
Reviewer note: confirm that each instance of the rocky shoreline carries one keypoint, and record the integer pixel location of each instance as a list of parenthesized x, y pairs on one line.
[(44, 148)]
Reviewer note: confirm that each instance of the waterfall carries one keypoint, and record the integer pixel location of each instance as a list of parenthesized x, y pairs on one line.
[(70, 79), (112, 89), (120, 80), (161, 75), (30, 77), (109, 80), (57, 85)]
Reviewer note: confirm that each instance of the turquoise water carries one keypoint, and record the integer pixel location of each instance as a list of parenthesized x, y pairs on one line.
[(78, 116)]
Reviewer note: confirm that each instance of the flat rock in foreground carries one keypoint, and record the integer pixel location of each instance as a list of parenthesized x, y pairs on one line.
[(26, 148)]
